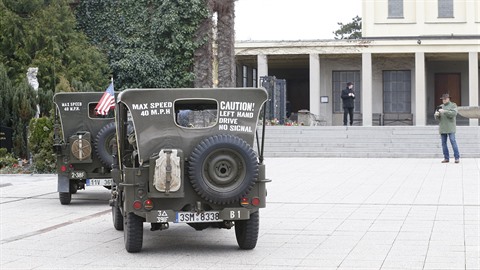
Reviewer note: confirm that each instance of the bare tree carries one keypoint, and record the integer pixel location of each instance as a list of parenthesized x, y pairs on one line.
[(203, 56), (225, 41)]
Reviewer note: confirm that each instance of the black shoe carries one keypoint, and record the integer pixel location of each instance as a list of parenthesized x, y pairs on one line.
[(445, 161)]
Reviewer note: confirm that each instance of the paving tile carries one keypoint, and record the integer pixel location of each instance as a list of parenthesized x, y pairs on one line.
[(374, 215)]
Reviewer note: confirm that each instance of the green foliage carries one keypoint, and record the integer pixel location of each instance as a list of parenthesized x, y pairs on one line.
[(43, 34), (40, 141), (148, 43), (6, 159), (352, 30), (23, 109), (6, 93)]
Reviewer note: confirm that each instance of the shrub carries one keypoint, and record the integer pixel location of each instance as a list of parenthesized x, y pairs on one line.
[(40, 141)]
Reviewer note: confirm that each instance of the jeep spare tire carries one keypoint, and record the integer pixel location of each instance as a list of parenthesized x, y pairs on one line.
[(104, 142), (223, 168)]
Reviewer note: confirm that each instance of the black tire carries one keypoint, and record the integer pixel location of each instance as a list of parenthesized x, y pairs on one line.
[(65, 197), (73, 187), (117, 218), (103, 144), (223, 169), (246, 231), (133, 233)]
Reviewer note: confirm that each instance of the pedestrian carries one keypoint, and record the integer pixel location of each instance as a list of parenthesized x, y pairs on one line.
[(348, 96), (446, 114)]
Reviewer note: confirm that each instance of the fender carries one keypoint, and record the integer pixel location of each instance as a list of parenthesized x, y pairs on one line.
[(63, 183)]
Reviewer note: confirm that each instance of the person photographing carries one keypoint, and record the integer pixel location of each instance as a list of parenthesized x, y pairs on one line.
[(446, 114)]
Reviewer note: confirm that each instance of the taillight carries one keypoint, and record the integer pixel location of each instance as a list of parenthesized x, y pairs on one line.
[(63, 168), (244, 201), (256, 201), (137, 205), (148, 204)]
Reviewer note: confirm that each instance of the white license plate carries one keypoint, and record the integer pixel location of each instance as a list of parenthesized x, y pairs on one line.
[(189, 217), (77, 175), (99, 182)]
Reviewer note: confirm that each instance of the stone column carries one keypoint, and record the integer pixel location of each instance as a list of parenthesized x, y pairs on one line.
[(314, 83), (473, 83), (367, 106), (420, 91), (262, 67)]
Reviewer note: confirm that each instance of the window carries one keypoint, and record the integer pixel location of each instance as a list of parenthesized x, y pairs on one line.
[(92, 113), (397, 91), (395, 8), (196, 113), (254, 77), (339, 82), (445, 8)]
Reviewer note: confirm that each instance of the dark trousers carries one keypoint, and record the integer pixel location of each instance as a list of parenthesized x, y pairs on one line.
[(346, 112)]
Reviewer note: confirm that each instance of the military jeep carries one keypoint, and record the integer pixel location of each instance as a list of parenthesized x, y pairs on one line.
[(83, 143), (186, 156)]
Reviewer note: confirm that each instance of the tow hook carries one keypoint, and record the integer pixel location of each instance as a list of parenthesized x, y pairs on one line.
[(159, 226)]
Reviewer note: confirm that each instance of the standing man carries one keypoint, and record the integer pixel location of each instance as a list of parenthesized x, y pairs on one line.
[(447, 114), (348, 96)]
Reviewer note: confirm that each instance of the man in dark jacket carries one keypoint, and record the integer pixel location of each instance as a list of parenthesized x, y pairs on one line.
[(348, 97)]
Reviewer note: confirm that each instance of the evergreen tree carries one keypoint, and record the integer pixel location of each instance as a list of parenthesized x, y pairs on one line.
[(44, 34), (351, 30)]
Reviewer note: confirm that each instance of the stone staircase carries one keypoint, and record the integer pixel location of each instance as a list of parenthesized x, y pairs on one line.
[(366, 142)]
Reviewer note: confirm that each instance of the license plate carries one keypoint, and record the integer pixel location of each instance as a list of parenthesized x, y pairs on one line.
[(99, 182), (77, 175), (189, 217)]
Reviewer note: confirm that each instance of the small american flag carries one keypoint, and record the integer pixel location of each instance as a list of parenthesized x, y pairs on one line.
[(107, 101)]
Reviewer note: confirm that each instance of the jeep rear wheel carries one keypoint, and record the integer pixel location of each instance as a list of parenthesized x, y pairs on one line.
[(133, 233), (117, 218), (104, 142), (223, 169), (65, 197), (246, 231)]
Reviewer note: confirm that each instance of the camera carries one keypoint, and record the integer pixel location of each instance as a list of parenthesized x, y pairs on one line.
[(438, 108)]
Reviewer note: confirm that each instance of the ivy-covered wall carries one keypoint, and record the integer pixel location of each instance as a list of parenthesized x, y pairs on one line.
[(148, 43)]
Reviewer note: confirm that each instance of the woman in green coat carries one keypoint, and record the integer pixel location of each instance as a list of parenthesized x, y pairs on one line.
[(447, 115)]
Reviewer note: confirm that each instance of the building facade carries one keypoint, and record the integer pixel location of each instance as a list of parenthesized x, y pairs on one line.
[(411, 53)]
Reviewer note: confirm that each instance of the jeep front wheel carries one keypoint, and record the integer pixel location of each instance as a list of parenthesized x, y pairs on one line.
[(223, 169), (133, 233), (246, 231)]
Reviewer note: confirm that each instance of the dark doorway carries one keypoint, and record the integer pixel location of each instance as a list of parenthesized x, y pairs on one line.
[(448, 83)]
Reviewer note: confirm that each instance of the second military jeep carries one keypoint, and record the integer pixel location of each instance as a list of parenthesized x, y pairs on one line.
[(83, 142), (186, 156)]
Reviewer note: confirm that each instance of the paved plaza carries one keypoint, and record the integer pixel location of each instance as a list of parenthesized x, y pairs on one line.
[(322, 213)]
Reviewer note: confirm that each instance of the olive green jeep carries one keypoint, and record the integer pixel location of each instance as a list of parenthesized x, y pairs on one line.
[(83, 143), (186, 156)]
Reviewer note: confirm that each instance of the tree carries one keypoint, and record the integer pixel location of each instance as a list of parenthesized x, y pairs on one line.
[(352, 30), (148, 43), (44, 34)]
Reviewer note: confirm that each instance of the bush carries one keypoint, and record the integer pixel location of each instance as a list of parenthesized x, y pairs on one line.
[(40, 142), (6, 159)]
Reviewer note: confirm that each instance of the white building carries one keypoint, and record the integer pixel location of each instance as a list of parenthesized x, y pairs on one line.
[(412, 52)]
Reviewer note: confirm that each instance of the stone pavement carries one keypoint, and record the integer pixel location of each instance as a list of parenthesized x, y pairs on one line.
[(323, 213)]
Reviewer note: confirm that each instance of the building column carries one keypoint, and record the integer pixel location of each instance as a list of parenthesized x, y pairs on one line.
[(473, 83), (262, 67), (367, 106), (314, 62), (420, 90)]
